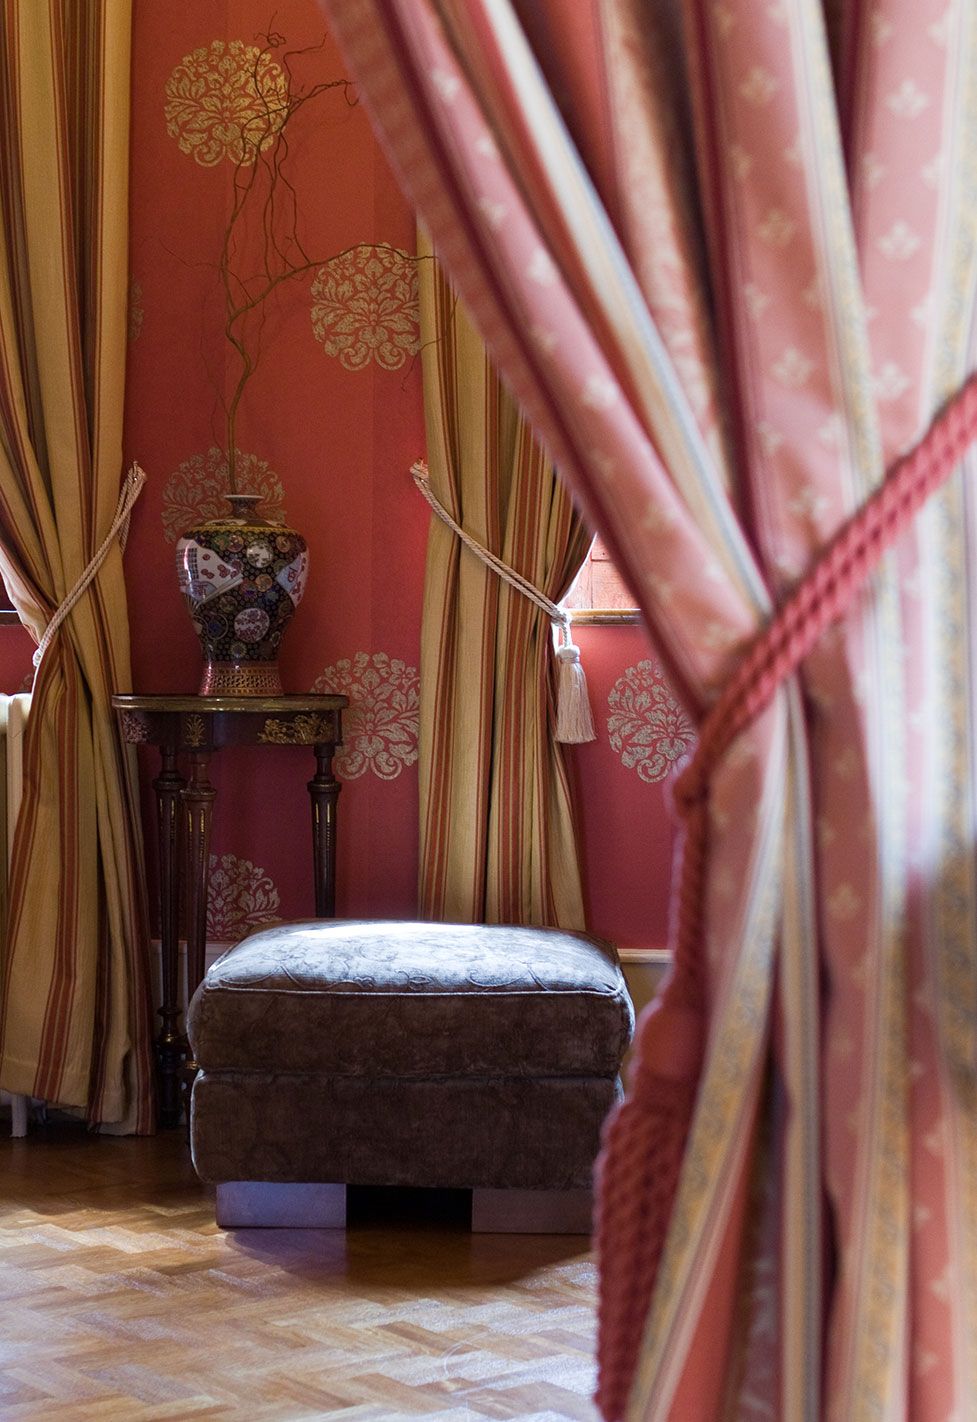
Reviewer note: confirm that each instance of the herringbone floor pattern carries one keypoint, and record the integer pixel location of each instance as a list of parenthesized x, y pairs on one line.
[(120, 1299)]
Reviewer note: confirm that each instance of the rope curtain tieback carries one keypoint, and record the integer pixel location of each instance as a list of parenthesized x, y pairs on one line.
[(131, 489), (645, 1138), (574, 722)]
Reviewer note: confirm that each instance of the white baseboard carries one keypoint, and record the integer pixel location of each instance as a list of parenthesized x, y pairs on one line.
[(651, 957)]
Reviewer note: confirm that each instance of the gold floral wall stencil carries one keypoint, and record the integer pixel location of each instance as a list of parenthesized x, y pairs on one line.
[(380, 726), (364, 307), (135, 311), (242, 897), (647, 727), (221, 98), (195, 490)]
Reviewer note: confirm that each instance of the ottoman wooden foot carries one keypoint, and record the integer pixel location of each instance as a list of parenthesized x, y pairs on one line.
[(264, 1204), (532, 1211)]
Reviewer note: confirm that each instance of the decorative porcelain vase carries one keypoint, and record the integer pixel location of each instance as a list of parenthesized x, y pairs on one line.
[(242, 577)]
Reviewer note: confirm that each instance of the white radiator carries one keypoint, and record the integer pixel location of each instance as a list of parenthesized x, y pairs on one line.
[(14, 711)]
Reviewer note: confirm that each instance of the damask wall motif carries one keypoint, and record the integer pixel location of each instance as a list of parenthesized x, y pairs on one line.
[(242, 897), (343, 443), (380, 727), (136, 312), (195, 490), (647, 727), (222, 101), (364, 307)]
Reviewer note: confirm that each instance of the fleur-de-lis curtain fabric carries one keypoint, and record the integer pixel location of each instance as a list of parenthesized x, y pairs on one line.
[(497, 836), (724, 252), (76, 1012)]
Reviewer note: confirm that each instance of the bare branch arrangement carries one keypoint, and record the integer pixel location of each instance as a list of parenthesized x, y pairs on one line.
[(261, 246)]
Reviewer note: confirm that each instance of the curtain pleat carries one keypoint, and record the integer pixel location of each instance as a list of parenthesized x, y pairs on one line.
[(498, 842), (76, 1011), (726, 255)]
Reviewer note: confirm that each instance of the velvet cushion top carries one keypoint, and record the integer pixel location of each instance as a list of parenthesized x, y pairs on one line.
[(378, 998)]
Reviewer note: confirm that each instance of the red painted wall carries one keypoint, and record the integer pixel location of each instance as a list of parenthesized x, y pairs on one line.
[(339, 431)]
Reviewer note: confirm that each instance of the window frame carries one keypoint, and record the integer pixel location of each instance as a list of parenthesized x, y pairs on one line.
[(601, 616), (604, 616)]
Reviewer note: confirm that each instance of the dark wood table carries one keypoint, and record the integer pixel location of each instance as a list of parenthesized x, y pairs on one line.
[(194, 727)]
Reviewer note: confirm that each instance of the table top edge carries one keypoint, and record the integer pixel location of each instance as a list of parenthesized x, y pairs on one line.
[(214, 705)]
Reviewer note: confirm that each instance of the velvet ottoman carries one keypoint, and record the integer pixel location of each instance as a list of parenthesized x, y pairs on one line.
[(336, 1052)]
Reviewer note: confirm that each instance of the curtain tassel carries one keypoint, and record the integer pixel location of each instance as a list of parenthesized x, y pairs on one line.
[(574, 721)]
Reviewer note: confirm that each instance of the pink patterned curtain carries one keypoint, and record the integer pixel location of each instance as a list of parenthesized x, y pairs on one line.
[(725, 253)]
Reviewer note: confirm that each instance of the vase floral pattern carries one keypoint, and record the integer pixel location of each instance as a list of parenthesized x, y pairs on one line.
[(380, 726), (243, 578)]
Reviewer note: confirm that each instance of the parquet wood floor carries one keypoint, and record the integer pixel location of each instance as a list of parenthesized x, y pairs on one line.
[(121, 1301)]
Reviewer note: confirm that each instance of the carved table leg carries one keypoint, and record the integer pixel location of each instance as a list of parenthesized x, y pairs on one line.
[(198, 800), (324, 792), (169, 1046)]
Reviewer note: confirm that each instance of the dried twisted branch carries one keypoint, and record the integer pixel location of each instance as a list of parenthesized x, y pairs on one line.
[(264, 216), (262, 229)]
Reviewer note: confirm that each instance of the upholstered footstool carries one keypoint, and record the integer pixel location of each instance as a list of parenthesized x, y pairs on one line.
[(337, 1053)]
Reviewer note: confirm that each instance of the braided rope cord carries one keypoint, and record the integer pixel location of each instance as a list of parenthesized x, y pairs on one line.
[(644, 1139), (131, 488), (553, 610)]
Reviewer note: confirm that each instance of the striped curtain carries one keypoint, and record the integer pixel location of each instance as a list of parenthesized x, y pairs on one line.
[(75, 1014), (497, 839), (726, 254)]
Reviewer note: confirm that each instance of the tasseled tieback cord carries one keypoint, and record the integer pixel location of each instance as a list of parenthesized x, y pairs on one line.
[(574, 722), (131, 489), (644, 1139)]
